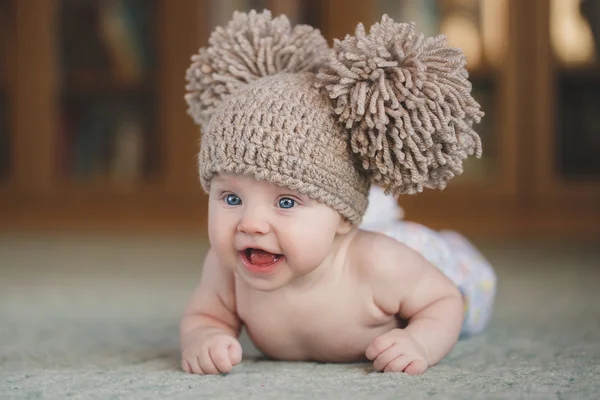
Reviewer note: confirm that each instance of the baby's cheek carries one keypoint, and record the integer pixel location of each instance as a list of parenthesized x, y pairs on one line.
[(221, 244), (311, 250), (308, 240)]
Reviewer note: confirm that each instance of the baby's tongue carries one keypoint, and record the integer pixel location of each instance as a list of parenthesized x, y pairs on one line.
[(261, 257)]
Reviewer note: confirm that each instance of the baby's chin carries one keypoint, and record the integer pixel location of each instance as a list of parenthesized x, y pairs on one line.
[(263, 285), (264, 282), (271, 279)]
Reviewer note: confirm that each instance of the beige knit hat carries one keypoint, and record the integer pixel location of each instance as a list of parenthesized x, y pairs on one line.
[(389, 108)]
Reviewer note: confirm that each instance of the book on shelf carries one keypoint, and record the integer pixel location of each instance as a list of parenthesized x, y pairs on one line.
[(106, 141), (127, 156), (121, 30), (108, 37)]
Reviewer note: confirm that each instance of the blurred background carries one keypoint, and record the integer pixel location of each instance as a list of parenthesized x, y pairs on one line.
[(103, 220), (94, 135)]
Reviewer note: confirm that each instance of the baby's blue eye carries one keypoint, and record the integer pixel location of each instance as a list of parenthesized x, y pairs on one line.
[(286, 202), (233, 200)]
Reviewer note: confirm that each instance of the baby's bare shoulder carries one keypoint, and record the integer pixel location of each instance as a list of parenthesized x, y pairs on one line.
[(388, 266), (378, 256)]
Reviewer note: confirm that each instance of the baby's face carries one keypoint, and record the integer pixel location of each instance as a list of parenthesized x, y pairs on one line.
[(269, 235)]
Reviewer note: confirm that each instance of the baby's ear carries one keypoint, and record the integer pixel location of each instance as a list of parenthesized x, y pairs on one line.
[(344, 226)]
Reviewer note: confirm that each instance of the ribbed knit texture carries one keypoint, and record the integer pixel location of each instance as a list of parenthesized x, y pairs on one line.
[(280, 129)]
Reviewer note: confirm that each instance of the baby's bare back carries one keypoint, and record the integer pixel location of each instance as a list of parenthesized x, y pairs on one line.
[(334, 321)]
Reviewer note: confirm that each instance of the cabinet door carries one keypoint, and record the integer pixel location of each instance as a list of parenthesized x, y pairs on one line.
[(7, 36), (566, 151), (119, 124), (119, 119), (101, 137), (108, 125)]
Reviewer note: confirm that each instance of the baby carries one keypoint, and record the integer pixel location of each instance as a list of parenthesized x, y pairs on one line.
[(294, 135)]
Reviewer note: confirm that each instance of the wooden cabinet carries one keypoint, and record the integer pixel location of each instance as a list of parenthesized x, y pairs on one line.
[(7, 35), (94, 133), (100, 138), (566, 146)]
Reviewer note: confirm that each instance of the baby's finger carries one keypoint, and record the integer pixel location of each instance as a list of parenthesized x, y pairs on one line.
[(385, 357), (235, 353), (206, 363), (220, 358), (194, 365), (185, 366), (379, 345), (417, 367), (399, 363)]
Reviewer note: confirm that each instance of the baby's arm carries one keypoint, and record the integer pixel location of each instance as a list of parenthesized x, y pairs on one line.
[(407, 285), (435, 312), (210, 326)]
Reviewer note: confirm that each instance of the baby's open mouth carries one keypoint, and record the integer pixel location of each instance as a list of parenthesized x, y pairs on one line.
[(261, 258)]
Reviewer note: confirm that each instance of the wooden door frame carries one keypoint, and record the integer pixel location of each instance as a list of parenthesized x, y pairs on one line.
[(548, 186)]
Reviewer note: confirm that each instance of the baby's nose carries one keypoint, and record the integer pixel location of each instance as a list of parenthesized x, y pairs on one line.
[(253, 225)]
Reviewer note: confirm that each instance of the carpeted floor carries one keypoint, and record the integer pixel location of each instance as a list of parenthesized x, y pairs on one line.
[(96, 318)]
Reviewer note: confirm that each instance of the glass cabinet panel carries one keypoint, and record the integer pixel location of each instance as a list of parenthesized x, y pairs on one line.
[(108, 128), (575, 41), (6, 41)]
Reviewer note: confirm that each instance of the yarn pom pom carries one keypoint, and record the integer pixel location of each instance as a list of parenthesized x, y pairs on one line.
[(251, 46), (406, 103)]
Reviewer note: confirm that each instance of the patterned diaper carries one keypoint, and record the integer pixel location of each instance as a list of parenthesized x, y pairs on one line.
[(449, 251)]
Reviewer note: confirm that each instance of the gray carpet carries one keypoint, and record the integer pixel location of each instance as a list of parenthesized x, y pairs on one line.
[(96, 318)]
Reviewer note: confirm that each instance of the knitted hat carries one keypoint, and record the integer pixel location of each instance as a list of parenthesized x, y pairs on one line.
[(389, 108)]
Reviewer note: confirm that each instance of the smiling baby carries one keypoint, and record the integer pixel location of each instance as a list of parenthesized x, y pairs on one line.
[(294, 138)]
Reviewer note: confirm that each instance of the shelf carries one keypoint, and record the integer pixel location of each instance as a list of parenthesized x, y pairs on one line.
[(579, 73), (106, 189), (89, 82)]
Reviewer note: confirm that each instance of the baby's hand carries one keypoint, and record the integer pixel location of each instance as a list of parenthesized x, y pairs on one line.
[(211, 353), (397, 351)]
